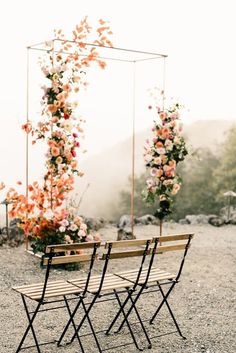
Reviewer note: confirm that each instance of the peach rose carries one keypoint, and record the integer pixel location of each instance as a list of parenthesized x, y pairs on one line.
[(55, 151)]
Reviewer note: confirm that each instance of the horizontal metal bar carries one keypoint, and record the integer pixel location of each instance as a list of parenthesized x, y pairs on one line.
[(99, 46), (99, 57)]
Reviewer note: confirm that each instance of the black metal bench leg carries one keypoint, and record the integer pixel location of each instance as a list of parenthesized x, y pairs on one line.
[(30, 326)]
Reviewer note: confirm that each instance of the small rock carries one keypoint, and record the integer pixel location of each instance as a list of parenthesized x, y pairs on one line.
[(125, 234)]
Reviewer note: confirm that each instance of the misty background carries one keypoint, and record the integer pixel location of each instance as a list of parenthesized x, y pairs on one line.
[(200, 73)]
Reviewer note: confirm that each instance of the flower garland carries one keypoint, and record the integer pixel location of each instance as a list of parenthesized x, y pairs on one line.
[(64, 70), (162, 155)]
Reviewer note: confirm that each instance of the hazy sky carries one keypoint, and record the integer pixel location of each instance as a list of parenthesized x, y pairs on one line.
[(198, 37)]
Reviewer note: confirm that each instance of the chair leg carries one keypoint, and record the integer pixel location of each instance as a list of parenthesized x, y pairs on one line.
[(30, 326), (84, 317), (91, 327), (117, 315), (70, 313), (170, 311), (132, 306), (161, 304), (126, 320), (69, 322), (141, 323)]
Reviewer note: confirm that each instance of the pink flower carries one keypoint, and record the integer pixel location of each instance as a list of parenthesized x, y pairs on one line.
[(82, 233), (73, 153), (89, 237), (64, 223)]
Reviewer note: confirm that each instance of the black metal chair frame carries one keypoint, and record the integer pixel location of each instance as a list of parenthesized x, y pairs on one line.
[(31, 315), (115, 294), (145, 286)]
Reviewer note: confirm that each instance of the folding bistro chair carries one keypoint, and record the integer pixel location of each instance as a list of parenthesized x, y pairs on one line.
[(48, 292), (154, 277), (108, 284)]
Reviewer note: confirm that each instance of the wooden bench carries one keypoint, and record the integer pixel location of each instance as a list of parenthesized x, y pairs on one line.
[(132, 283)]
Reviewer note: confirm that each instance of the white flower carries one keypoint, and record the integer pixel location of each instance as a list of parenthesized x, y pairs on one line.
[(147, 158), (73, 227), (153, 172), (83, 226), (168, 145), (89, 238), (62, 229), (161, 150)]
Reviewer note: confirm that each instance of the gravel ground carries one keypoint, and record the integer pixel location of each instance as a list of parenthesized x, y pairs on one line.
[(203, 301)]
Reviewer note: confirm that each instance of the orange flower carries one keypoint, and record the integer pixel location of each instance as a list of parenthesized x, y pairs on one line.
[(55, 151)]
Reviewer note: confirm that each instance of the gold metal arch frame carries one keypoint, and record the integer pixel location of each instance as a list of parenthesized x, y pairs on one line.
[(105, 53)]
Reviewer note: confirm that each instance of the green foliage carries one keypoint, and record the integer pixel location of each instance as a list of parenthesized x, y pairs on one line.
[(197, 194), (225, 173)]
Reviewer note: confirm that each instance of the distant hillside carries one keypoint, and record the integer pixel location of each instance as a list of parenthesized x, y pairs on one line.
[(209, 133), (108, 172)]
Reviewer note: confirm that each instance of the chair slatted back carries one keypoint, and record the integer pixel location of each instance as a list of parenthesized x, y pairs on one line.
[(173, 242), (52, 258), (142, 249), (54, 250), (123, 245)]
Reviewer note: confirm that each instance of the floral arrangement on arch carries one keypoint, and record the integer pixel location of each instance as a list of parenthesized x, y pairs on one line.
[(42, 213), (162, 154)]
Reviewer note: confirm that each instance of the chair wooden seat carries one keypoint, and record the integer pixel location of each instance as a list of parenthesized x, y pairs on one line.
[(110, 282), (54, 289), (155, 275)]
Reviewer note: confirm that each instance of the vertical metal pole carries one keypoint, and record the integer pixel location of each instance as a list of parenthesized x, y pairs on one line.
[(27, 144), (163, 83), (163, 107), (7, 220), (133, 154), (51, 192)]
